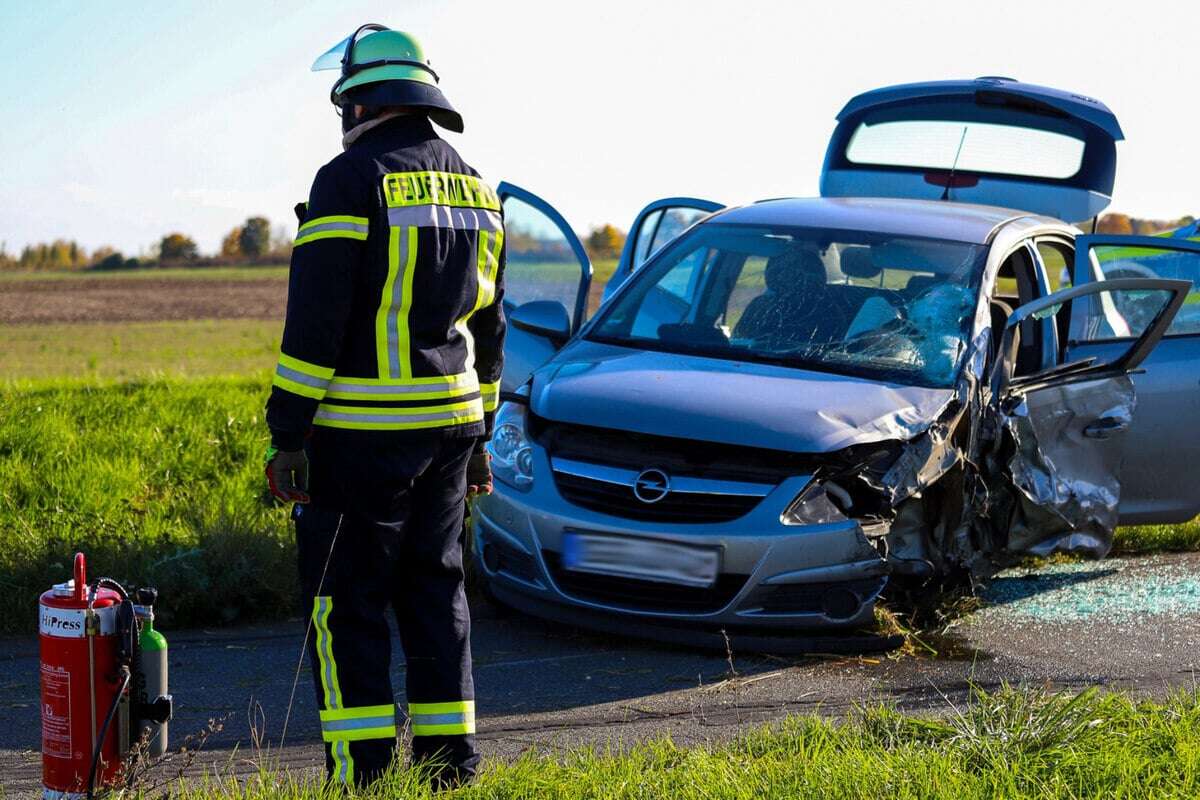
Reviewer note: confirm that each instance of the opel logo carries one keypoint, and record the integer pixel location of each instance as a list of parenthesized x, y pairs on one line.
[(651, 486)]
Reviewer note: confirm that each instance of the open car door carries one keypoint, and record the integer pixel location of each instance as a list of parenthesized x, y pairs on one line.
[(1062, 428), (655, 226), (1161, 483), (548, 273)]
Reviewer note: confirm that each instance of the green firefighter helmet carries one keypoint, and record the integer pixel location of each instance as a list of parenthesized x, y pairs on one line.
[(383, 67)]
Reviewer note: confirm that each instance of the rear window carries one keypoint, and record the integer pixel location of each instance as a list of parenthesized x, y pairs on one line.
[(966, 146)]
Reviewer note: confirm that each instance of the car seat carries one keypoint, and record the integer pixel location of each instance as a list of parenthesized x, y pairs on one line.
[(1000, 314), (790, 310)]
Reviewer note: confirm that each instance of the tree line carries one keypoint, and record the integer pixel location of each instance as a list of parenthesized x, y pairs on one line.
[(252, 242), (256, 242), (1127, 225)]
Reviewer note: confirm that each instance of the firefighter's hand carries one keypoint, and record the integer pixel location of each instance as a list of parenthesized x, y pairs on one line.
[(479, 473), (287, 475)]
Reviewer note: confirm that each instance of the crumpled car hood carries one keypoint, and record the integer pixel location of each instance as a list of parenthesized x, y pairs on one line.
[(754, 405)]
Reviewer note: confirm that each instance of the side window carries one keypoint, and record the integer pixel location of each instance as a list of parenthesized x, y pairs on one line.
[(1057, 258), (660, 227), (541, 264), (1115, 314), (645, 237), (1124, 261)]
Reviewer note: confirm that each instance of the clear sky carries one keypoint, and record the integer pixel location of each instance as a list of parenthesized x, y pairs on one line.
[(123, 121)]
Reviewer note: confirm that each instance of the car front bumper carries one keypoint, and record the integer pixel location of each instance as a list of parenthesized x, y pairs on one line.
[(771, 577)]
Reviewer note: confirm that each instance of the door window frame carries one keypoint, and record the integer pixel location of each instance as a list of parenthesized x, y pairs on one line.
[(1003, 379), (1087, 266), (579, 313)]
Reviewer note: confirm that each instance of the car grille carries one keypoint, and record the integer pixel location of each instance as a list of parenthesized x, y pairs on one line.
[(642, 595), (619, 501)]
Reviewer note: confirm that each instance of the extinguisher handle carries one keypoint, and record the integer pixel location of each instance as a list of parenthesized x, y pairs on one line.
[(80, 577)]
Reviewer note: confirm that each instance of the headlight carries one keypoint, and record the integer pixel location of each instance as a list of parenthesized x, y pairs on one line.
[(812, 507), (512, 456)]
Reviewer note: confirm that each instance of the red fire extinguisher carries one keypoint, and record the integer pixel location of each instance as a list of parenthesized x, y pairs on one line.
[(94, 688)]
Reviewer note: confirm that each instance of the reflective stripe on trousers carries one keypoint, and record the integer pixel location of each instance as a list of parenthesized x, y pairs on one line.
[(355, 724), (456, 718), (343, 762)]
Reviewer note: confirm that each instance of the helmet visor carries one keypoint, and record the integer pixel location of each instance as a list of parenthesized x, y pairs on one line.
[(332, 58)]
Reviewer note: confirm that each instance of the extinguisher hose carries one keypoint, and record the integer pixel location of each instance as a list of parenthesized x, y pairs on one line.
[(112, 712)]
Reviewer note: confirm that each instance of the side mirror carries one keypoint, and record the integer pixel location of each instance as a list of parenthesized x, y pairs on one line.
[(546, 318)]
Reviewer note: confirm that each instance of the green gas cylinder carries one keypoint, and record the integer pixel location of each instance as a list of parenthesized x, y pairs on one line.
[(152, 664)]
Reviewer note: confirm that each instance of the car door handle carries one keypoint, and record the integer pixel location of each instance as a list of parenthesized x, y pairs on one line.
[(1105, 427)]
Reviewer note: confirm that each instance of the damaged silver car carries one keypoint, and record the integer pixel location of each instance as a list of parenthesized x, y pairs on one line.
[(783, 410)]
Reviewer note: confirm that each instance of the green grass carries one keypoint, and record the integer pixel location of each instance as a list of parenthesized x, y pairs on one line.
[(125, 350), (1007, 744), (1158, 538), (247, 272), (158, 482)]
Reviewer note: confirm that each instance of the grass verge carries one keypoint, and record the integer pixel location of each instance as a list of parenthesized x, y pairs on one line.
[(1007, 744), (1138, 539), (158, 482), (128, 350)]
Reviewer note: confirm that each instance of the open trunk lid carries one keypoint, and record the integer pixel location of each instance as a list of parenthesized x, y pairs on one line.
[(992, 141)]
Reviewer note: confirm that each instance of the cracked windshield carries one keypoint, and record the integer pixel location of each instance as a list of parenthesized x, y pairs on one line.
[(864, 304)]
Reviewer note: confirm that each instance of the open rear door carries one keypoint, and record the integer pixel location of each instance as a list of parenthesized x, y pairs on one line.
[(655, 226), (993, 141), (545, 262), (1065, 426)]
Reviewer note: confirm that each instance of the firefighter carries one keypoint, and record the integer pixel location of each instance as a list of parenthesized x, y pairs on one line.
[(382, 400)]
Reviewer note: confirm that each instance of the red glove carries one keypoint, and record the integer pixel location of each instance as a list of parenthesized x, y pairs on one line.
[(287, 474)]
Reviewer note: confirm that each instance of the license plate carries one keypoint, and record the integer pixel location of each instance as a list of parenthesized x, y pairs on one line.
[(645, 559)]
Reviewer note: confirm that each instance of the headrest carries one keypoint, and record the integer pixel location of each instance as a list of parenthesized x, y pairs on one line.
[(795, 272), (857, 262)]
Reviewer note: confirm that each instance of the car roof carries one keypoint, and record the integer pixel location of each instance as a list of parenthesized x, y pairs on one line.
[(932, 219)]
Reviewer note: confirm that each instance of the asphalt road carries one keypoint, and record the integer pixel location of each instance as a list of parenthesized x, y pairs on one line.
[(1129, 624)]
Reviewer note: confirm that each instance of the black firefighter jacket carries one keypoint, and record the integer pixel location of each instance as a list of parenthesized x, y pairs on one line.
[(394, 318)]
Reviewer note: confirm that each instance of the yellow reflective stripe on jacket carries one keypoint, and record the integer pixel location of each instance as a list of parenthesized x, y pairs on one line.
[(487, 269), (391, 320), (357, 724), (438, 188), (301, 377), (490, 394), (398, 418), (442, 719), (343, 762), (336, 226), (439, 388)]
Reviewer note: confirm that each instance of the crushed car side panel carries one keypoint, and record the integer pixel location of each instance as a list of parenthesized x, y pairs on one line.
[(1065, 484)]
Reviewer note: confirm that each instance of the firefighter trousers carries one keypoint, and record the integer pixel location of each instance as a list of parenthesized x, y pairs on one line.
[(394, 516)]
